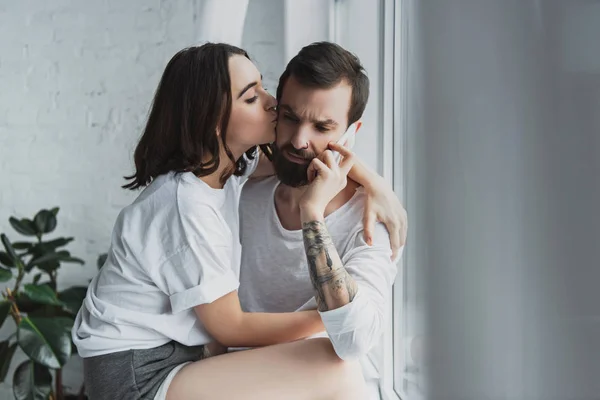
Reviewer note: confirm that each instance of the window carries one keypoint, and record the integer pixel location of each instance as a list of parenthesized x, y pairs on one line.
[(408, 342), (377, 33)]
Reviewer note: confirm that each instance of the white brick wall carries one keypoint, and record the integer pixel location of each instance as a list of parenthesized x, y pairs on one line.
[(76, 80)]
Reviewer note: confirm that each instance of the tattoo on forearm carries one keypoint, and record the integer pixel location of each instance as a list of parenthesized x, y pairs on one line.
[(334, 287)]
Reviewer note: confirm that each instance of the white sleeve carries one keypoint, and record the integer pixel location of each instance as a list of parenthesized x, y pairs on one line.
[(355, 328), (201, 272)]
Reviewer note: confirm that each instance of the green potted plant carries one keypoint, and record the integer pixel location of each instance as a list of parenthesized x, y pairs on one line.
[(43, 316)]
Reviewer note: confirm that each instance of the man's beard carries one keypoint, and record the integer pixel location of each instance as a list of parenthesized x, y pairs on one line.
[(290, 173)]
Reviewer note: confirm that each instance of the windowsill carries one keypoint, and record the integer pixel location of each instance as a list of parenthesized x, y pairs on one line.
[(388, 394)]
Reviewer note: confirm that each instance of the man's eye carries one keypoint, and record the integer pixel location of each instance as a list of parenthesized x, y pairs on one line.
[(252, 100), (322, 129), (289, 118)]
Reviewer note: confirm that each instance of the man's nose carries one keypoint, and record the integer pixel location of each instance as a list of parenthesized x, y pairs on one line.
[(300, 139)]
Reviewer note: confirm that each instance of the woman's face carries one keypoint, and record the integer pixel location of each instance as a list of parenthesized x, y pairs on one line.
[(253, 117)]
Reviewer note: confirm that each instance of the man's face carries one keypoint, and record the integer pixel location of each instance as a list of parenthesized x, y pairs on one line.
[(308, 120)]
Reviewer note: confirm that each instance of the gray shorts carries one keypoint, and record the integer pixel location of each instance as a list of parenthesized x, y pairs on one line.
[(135, 374)]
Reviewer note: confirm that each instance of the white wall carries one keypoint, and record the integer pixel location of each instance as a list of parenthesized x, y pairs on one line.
[(306, 21), (77, 78)]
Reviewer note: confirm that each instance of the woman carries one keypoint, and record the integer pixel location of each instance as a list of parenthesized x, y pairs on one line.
[(168, 288)]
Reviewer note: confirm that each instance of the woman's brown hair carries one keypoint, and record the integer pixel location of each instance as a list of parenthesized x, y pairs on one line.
[(192, 102)]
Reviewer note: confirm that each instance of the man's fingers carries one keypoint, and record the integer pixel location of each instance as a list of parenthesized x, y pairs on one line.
[(318, 166), (328, 159), (314, 167), (343, 150), (347, 157)]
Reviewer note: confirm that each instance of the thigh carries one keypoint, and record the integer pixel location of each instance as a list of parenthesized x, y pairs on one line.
[(302, 370)]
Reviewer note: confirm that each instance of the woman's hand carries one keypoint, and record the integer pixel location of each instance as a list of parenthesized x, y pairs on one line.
[(383, 205)]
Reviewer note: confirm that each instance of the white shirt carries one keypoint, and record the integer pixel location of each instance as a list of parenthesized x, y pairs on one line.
[(175, 247), (275, 277)]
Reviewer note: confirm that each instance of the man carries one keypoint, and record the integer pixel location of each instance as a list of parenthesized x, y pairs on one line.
[(298, 256)]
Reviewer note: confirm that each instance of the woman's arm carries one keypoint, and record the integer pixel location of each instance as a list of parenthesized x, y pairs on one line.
[(232, 327), (382, 204)]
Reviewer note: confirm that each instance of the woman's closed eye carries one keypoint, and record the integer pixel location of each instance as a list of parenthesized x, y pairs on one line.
[(251, 100)]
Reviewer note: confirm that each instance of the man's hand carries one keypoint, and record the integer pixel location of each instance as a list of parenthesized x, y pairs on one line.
[(326, 178)]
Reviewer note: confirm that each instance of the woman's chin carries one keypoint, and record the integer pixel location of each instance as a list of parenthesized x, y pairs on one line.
[(269, 139)]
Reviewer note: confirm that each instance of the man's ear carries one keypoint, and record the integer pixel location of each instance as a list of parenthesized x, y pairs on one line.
[(358, 125)]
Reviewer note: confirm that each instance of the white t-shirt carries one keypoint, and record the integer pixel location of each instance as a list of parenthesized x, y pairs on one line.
[(275, 277), (175, 247)]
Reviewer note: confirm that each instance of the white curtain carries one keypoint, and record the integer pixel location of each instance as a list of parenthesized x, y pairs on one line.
[(504, 154), (222, 21)]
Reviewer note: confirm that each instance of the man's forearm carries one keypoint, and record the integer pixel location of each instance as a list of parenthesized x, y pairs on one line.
[(334, 287)]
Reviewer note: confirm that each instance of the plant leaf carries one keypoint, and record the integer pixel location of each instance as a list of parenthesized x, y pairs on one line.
[(6, 354), (46, 267), (54, 211), (36, 278), (48, 257), (101, 260), (46, 340), (4, 310), (42, 294), (5, 275), (22, 245), (32, 381), (6, 260), (73, 260), (10, 251), (45, 221), (23, 226), (72, 298), (50, 261), (53, 244)]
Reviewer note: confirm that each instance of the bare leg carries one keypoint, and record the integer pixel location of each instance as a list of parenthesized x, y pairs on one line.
[(302, 370)]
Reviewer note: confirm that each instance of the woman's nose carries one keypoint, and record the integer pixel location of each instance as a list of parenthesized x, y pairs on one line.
[(271, 103)]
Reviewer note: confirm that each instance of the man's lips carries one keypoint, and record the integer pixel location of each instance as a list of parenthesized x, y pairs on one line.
[(295, 159)]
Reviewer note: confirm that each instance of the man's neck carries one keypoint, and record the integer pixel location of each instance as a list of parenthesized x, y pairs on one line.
[(287, 203)]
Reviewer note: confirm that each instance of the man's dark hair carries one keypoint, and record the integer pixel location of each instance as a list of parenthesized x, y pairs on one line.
[(323, 65), (192, 102)]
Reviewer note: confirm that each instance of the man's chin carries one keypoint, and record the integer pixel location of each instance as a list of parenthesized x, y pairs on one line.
[(290, 173)]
